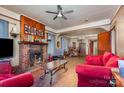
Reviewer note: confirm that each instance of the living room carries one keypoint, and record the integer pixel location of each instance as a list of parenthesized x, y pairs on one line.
[(61, 49)]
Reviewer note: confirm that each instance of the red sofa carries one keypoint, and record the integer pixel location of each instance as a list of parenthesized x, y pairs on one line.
[(7, 79), (96, 71)]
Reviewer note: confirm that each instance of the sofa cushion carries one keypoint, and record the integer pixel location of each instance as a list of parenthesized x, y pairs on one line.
[(5, 67), (21, 80), (112, 62), (94, 60), (2, 78), (106, 57), (7, 75)]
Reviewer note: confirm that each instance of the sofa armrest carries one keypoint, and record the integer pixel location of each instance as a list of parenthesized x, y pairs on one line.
[(94, 60), (21, 80), (99, 72)]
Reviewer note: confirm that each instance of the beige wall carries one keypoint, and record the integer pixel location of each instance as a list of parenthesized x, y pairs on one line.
[(119, 22)]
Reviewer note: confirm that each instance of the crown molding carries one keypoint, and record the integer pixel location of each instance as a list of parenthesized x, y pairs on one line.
[(88, 25)]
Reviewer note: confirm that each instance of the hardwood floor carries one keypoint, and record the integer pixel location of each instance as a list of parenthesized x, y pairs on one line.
[(62, 78)]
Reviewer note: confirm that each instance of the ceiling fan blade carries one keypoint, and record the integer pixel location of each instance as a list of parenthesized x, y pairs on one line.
[(67, 12), (51, 12), (64, 17), (54, 17), (59, 7)]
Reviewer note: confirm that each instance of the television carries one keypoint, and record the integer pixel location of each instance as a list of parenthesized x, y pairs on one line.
[(6, 48)]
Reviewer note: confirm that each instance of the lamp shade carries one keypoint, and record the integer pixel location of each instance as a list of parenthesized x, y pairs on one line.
[(14, 30)]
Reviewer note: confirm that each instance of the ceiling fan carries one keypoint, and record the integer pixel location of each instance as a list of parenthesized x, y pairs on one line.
[(60, 13)]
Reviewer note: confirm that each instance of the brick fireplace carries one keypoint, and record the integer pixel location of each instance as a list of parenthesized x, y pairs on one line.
[(31, 55), (33, 44)]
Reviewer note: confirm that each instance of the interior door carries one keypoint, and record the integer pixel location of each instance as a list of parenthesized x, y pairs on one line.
[(104, 42), (84, 49), (91, 47)]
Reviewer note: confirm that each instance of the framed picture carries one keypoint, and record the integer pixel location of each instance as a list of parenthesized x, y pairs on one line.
[(58, 42)]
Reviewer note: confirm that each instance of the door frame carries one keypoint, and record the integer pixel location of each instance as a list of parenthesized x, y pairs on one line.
[(114, 29)]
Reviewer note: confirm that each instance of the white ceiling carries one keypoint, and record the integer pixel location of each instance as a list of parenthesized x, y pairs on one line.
[(81, 12)]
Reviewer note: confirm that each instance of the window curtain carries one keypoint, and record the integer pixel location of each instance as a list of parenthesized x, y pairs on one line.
[(65, 45), (4, 29), (51, 44), (52, 50)]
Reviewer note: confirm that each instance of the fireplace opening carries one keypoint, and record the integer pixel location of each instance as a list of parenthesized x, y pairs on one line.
[(35, 56)]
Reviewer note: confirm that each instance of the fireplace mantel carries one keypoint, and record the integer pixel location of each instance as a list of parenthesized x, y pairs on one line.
[(33, 43)]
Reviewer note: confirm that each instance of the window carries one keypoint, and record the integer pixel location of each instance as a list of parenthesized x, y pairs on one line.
[(65, 45), (3, 29)]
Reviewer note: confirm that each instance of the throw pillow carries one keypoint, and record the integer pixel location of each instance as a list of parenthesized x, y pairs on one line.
[(112, 62), (106, 57), (94, 60)]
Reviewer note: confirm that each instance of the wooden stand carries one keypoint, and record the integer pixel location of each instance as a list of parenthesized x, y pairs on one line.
[(119, 79)]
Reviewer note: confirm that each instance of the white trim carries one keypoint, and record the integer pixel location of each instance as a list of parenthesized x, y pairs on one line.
[(114, 14), (50, 29), (84, 36), (88, 25)]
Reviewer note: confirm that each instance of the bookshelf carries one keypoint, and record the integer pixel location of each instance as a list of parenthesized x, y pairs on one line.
[(32, 32)]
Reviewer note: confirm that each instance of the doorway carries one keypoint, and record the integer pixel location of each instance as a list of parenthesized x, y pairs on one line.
[(93, 47), (82, 49)]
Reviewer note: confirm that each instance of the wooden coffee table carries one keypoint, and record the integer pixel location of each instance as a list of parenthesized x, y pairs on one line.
[(53, 67)]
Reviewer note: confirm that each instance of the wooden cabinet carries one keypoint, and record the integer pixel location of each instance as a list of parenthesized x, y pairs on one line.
[(32, 31), (104, 42)]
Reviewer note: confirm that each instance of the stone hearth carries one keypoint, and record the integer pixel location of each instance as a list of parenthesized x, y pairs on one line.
[(31, 55)]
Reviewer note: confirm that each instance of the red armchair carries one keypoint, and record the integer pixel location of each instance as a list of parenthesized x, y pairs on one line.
[(10, 80), (96, 71)]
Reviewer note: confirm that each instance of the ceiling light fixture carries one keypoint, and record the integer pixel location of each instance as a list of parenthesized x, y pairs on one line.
[(59, 14)]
